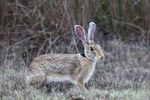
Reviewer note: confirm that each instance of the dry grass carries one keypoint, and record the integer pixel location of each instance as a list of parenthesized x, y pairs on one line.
[(127, 66), (12, 89), (31, 28), (124, 75)]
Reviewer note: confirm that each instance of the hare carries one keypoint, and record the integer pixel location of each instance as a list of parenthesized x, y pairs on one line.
[(74, 68)]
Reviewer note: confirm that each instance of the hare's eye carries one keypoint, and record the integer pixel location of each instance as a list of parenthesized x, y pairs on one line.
[(91, 48)]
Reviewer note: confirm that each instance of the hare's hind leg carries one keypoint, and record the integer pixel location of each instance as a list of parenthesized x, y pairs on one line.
[(35, 80)]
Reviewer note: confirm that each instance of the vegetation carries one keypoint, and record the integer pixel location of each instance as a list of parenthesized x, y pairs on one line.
[(35, 27)]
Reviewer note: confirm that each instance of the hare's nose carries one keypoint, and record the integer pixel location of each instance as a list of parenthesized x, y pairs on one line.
[(101, 57)]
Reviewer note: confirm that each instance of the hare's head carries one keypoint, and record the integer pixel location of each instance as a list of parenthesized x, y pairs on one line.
[(92, 50)]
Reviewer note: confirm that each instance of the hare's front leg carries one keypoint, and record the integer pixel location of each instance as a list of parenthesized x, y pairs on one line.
[(81, 85)]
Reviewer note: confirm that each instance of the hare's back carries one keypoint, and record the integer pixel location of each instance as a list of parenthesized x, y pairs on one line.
[(57, 63)]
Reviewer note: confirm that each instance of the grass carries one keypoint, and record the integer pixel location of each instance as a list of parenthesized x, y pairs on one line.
[(10, 90), (124, 75)]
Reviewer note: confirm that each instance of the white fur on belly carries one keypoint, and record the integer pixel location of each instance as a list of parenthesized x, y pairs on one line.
[(56, 78)]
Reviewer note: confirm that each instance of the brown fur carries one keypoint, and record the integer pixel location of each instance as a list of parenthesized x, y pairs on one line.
[(66, 67)]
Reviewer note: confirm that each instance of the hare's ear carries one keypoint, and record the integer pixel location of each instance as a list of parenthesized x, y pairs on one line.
[(91, 31), (80, 32)]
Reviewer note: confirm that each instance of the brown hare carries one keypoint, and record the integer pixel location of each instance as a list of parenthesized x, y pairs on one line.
[(74, 68)]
